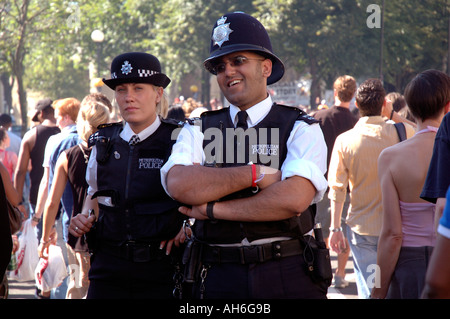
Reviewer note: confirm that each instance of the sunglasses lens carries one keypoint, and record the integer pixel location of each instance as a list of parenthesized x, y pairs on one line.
[(235, 62), (239, 60)]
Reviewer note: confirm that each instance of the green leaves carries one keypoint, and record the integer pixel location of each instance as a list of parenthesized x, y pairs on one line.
[(50, 41)]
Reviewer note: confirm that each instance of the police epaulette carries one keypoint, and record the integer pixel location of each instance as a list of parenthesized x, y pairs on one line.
[(307, 118), (93, 138), (194, 120), (110, 124), (171, 121), (302, 116)]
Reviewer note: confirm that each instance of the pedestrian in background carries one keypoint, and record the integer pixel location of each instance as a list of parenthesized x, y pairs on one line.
[(71, 167), (437, 283), (333, 122), (66, 113), (15, 140), (31, 156), (353, 164), (8, 158), (408, 231)]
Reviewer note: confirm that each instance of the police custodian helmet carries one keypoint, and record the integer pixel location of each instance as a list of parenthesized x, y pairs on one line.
[(136, 67), (239, 31)]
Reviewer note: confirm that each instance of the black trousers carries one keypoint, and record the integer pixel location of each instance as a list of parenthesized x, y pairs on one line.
[(277, 279), (116, 278)]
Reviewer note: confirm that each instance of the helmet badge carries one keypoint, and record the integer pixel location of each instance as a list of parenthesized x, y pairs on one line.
[(126, 68), (221, 32)]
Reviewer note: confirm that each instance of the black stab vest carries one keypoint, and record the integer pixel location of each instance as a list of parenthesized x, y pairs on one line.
[(263, 145), (130, 175)]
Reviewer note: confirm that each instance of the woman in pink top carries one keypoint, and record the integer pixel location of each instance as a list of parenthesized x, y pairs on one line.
[(8, 158), (408, 231)]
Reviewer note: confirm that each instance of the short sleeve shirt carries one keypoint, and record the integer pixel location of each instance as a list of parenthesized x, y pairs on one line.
[(444, 222), (438, 177)]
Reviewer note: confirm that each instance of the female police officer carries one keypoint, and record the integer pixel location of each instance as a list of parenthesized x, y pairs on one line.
[(135, 215)]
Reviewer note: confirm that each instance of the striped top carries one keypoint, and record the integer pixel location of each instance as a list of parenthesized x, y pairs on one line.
[(354, 164)]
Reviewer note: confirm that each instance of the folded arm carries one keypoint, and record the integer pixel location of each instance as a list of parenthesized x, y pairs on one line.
[(280, 200)]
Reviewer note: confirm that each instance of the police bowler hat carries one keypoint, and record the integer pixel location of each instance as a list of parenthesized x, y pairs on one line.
[(239, 31), (136, 67)]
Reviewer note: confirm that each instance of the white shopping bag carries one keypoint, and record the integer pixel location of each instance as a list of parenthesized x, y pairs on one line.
[(27, 255), (51, 272)]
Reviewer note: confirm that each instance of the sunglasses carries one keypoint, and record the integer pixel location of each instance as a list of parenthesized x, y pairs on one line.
[(236, 61)]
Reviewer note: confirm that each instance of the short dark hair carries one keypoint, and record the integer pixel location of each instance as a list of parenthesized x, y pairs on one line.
[(427, 94), (398, 101), (5, 119), (3, 134), (370, 97)]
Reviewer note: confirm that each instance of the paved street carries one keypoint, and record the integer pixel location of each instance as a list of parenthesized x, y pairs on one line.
[(25, 290)]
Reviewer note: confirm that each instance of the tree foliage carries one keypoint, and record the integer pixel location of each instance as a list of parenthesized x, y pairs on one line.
[(47, 45)]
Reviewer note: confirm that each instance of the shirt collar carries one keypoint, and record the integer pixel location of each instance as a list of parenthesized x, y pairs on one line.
[(255, 113), (69, 128), (375, 119), (127, 132)]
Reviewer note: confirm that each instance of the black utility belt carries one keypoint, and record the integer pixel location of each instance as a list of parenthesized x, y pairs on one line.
[(133, 251), (252, 254)]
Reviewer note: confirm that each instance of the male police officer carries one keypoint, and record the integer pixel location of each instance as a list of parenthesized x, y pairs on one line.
[(135, 214), (247, 220)]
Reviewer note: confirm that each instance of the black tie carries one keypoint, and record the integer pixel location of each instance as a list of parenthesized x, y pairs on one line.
[(242, 120), (134, 140)]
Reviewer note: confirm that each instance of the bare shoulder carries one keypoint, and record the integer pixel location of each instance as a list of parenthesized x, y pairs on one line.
[(398, 154), (30, 136)]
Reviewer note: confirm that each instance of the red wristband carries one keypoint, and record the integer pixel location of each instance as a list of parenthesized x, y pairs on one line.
[(254, 175)]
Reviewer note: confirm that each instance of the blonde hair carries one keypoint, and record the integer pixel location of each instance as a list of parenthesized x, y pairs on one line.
[(100, 97), (68, 106), (162, 107), (92, 114)]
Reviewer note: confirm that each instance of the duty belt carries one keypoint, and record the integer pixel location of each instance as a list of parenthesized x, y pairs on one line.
[(252, 254), (133, 251)]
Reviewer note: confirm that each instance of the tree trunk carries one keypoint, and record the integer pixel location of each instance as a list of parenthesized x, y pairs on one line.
[(7, 91), (23, 103), (206, 88), (315, 96)]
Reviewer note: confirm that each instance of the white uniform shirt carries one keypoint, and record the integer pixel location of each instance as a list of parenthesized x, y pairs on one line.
[(306, 156)]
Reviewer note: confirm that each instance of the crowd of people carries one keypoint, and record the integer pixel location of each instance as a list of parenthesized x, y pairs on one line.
[(181, 202)]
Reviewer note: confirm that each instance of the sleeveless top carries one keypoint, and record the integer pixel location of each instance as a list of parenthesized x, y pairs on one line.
[(8, 162), (418, 224), (43, 133), (77, 157)]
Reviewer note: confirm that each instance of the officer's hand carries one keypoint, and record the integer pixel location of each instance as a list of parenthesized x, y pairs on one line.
[(197, 212), (81, 224), (271, 175), (179, 239)]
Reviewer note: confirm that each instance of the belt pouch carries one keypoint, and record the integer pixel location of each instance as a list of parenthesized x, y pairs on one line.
[(192, 261), (317, 258)]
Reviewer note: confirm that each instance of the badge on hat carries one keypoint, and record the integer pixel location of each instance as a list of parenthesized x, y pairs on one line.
[(221, 32), (126, 68)]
